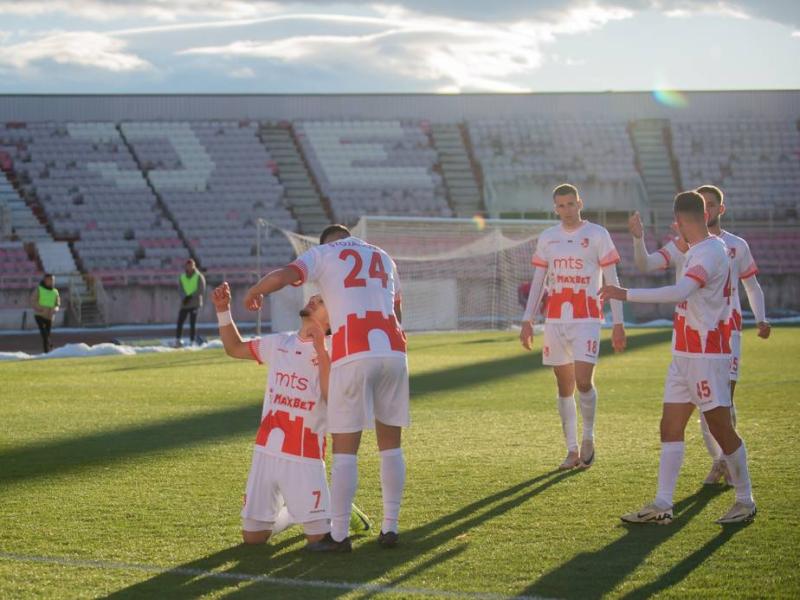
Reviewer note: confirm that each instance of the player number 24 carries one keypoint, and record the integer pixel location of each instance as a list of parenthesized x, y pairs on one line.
[(376, 270)]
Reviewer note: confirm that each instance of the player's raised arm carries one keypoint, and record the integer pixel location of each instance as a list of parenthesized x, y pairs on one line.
[(231, 340), (270, 283), (644, 261), (667, 294)]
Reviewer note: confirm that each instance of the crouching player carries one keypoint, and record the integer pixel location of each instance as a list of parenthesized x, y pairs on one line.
[(287, 481)]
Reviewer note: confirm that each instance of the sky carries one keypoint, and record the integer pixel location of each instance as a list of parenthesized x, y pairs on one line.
[(396, 46)]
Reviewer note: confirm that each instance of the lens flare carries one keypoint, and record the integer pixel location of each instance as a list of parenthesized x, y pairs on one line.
[(671, 98), (480, 222)]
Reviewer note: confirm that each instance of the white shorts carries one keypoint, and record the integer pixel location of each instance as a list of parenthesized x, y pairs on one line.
[(702, 381), (736, 356), (369, 389), (275, 481), (565, 343)]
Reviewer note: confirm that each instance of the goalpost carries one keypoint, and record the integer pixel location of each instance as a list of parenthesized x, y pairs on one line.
[(455, 274)]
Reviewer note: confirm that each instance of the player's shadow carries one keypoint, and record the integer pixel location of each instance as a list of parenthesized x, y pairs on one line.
[(595, 574), (188, 580), (105, 447), (484, 373)]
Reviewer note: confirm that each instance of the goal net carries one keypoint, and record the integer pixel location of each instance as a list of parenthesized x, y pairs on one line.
[(454, 273)]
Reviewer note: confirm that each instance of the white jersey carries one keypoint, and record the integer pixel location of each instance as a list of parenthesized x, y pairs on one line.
[(574, 261), (294, 416), (743, 267), (359, 284), (702, 322), (673, 257)]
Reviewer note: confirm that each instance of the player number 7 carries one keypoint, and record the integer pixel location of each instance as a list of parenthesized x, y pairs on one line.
[(317, 494)]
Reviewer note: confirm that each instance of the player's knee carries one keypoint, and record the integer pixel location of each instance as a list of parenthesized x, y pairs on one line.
[(670, 431), (584, 385), (255, 537)]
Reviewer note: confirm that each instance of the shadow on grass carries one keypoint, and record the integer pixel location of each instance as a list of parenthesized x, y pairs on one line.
[(485, 373), (595, 574), (442, 538), (105, 447)]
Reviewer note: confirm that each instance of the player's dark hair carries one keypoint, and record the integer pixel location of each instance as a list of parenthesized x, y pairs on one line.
[(331, 230), (565, 189), (690, 204), (713, 190)]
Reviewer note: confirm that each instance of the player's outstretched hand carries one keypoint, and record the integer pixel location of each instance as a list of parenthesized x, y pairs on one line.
[(635, 225), (618, 340), (526, 335), (221, 297), (253, 300), (613, 292), (764, 329)]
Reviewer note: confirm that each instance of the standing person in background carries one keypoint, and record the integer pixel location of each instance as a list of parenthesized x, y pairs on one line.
[(46, 302), (192, 286)]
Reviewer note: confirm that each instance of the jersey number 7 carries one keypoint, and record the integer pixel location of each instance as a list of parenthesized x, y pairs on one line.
[(376, 270)]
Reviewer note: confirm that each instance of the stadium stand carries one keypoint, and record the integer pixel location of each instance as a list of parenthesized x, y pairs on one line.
[(521, 155), (130, 189), (89, 188), (374, 167), (216, 180), (756, 163)]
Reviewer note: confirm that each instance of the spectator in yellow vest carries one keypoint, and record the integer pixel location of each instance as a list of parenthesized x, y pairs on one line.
[(46, 303), (192, 286)]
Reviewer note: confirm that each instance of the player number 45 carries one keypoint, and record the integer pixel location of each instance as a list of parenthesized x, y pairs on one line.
[(703, 389), (376, 270)]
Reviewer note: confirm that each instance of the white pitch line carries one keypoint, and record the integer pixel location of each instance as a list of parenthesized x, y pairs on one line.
[(311, 583)]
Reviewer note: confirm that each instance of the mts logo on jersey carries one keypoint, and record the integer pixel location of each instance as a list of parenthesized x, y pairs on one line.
[(569, 262), (291, 381)]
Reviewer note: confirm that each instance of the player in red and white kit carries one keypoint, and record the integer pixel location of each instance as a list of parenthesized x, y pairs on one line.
[(369, 368), (744, 270), (568, 264), (287, 482), (699, 373)]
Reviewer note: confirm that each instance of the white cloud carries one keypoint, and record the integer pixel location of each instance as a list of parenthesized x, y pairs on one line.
[(243, 73), (82, 48), (796, 34), (161, 10), (451, 54)]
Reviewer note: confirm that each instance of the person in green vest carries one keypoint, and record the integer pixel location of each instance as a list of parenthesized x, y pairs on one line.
[(192, 286), (46, 303)]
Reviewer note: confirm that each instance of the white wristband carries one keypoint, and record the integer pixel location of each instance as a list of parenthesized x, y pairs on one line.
[(224, 318)]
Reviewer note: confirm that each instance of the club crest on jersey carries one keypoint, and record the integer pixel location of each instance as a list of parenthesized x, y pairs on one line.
[(732, 252), (585, 243), (315, 361)]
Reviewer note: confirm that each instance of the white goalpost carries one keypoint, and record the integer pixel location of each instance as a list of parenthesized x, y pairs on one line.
[(455, 274)]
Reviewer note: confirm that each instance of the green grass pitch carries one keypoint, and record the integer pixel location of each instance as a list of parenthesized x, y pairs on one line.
[(123, 476)]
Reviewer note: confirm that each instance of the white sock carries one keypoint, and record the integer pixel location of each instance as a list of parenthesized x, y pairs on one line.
[(282, 521), (344, 480), (668, 468), (711, 444), (740, 474), (569, 422), (588, 408), (393, 479)]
